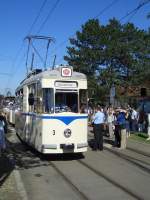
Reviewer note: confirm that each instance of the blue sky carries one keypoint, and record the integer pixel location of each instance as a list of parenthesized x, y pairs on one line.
[(17, 16)]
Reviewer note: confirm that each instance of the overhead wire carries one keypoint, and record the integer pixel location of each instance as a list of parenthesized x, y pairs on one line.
[(98, 15), (42, 25), (135, 9), (48, 16), (106, 8), (12, 71), (131, 17), (133, 12), (38, 15), (30, 29)]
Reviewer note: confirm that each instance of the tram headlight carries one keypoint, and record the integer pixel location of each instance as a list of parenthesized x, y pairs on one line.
[(67, 133)]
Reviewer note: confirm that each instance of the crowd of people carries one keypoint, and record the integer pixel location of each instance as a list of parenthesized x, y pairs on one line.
[(118, 122)]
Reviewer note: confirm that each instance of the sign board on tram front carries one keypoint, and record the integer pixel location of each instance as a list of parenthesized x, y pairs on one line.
[(66, 72)]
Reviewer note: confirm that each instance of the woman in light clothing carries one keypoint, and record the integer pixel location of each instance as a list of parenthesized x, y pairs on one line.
[(109, 121)]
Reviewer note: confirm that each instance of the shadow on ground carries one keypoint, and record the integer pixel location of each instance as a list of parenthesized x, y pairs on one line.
[(25, 157), (109, 141), (6, 167)]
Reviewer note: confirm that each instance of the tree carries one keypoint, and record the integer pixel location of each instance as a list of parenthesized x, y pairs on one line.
[(110, 54)]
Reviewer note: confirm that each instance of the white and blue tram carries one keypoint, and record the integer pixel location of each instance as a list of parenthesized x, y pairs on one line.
[(52, 111)]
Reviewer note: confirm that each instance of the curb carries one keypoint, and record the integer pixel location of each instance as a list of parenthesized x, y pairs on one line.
[(18, 180)]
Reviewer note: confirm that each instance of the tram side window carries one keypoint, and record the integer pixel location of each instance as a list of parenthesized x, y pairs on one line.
[(48, 100), (21, 100), (83, 101), (39, 105), (32, 98)]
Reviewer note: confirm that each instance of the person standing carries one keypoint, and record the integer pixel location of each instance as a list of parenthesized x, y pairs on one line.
[(120, 129), (2, 138), (109, 121), (148, 128), (134, 117), (98, 121), (128, 118), (4, 121)]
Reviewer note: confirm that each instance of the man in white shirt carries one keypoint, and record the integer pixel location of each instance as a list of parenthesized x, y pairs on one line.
[(98, 120)]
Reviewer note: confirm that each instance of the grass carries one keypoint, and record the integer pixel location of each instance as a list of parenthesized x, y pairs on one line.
[(141, 137)]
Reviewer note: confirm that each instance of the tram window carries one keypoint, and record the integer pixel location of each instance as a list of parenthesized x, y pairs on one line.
[(19, 100), (31, 99), (48, 100), (83, 101), (39, 105), (66, 101)]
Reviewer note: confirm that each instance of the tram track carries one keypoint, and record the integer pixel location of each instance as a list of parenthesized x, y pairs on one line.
[(73, 186), (76, 188), (139, 152), (110, 180), (131, 160), (44, 158), (99, 174)]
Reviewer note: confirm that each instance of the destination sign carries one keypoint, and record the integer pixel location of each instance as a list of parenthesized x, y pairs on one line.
[(65, 84)]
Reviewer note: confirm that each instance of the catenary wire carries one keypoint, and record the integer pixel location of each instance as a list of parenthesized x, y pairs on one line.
[(133, 12), (34, 22), (48, 16), (12, 71), (42, 25), (98, 15), (38, 15)]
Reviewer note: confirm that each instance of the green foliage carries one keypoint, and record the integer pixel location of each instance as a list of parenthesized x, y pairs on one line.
[(109, 54), (141, 137)]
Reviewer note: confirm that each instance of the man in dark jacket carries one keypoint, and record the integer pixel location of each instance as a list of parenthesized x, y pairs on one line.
[(120, 125)]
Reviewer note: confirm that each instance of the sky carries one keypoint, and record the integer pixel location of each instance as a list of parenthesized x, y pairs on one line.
[(59, 19)]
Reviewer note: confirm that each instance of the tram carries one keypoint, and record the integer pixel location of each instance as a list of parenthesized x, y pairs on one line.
[(52, 110)]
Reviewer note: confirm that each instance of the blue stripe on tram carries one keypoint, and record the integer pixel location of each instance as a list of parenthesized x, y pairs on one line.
[(65, 119)]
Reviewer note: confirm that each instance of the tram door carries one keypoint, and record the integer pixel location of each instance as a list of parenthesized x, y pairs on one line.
[(30, 118)]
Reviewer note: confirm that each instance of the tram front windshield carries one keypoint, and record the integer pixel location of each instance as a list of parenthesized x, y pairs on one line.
[(66, 101)]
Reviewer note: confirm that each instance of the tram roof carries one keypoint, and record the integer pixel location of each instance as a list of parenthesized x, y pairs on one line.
[(52, 74)]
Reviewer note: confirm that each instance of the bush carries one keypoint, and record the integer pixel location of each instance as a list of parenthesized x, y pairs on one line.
[(143, 135)]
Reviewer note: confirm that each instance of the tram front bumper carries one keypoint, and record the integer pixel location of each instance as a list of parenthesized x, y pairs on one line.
[(64, 148)]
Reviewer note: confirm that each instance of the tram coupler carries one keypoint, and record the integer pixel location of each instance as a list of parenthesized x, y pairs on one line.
[(67, 146)]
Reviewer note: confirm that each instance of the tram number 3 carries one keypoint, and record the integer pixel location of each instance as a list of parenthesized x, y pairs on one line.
[(53, 132)]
